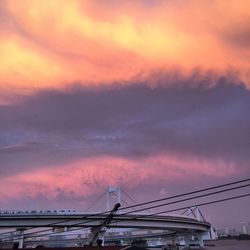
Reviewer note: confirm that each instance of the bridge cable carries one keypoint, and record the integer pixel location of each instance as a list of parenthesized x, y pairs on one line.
[(189, 193), (198, 205), (56, 223), (85, 217), (96, 201), (147, 216), (133, 200), (190, 198)]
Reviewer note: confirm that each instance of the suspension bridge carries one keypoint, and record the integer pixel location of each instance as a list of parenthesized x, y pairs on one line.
[(44, 225)]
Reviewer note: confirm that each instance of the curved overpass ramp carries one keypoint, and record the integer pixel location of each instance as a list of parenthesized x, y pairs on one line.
[(140, 221)]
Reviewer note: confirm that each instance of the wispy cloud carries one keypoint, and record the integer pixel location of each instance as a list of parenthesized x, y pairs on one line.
[(150, 95), (95, 43)]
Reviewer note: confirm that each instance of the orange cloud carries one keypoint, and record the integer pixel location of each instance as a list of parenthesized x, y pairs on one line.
[(59, 42), (88, 177)]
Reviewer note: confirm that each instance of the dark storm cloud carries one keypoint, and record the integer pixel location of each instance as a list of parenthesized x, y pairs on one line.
[(133, 121)]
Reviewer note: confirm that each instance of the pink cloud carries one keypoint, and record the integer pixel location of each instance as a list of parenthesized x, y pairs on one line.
[(89, 177)]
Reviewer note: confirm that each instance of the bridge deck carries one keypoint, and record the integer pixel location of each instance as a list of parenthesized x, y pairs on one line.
[(145, 221)]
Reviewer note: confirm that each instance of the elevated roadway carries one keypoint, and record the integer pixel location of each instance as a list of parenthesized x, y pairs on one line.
[(140, 221)]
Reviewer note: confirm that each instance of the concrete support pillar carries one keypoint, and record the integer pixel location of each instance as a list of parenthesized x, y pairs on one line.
[(201, 242), (187, 240), (21, 238)]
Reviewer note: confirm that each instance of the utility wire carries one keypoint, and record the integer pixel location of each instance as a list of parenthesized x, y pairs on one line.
[(190, 198), (153, 201), (168, 211), (85, 217), (198, 205), (56, 223), (133, 200), (220, 191), (126, 203), (189, 193)]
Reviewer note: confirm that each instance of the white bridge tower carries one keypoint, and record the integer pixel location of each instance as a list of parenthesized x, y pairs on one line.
[(111, 193)]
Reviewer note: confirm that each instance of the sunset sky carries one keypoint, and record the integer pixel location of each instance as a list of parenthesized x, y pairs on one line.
[(151, 96)]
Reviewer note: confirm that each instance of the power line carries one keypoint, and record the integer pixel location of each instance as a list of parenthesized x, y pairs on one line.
[(91, 220), (190, 198), (168, 211), (85, 217), (133, 200), (189, 193), (195, 205)]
